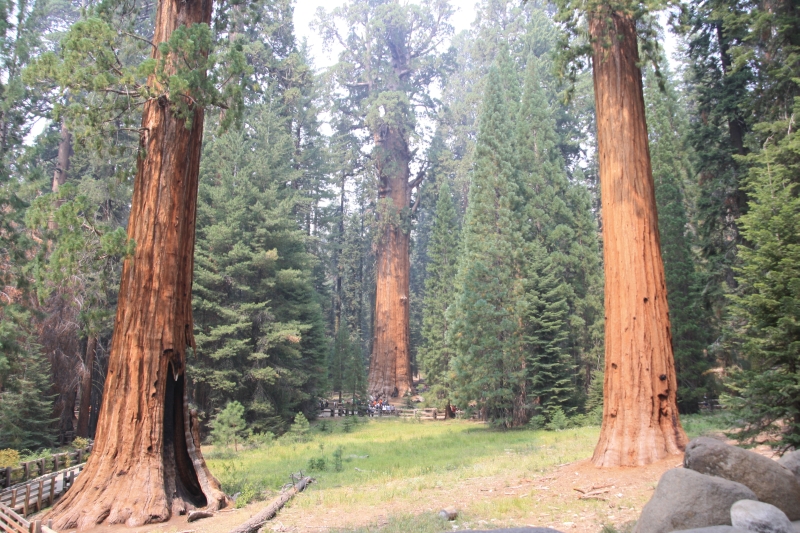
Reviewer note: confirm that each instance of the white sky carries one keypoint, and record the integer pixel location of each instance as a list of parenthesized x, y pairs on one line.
[(304, 11)]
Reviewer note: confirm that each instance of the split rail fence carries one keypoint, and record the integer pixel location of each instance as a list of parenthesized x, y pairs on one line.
[(40, 467), (11, 522), (33, 496)]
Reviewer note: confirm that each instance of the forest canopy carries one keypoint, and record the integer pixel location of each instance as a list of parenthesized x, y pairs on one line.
[(420, 219)]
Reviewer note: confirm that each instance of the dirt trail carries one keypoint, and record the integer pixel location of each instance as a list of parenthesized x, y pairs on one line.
[(546, 500)]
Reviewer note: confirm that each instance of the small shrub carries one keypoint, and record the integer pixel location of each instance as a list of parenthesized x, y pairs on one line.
[(317, 464), (537, 422), (260, 440), (407, 403), (247, 494), (337, 460), (299, 432), (8, 458), (349, 423), (229, 426), (79, 443), (323, 426), (558, 420)]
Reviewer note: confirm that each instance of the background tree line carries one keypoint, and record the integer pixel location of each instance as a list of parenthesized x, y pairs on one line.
[(505, 268)]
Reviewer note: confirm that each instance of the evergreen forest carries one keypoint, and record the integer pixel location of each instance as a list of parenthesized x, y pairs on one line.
[(419, 220)]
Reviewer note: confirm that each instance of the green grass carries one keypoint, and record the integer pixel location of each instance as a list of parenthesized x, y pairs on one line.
[(403, 456), (401, 467), (700, 425)]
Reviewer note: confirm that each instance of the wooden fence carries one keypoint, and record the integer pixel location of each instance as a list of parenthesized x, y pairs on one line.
[(11, 522), (428, 413), (32, 469), (33, 496)]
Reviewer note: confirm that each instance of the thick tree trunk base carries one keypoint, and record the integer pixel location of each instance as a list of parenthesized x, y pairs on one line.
[(390, 362), (640, 412), (148, 487)]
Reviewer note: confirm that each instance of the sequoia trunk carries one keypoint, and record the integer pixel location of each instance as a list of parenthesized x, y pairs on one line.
[(62, 165), (86, 388), (146, 464), (640, 414), (390, 364)]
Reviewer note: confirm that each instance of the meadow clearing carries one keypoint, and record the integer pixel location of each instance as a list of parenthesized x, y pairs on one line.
[(395, 475)]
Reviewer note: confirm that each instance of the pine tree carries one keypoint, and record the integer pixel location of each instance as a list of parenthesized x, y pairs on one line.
[(559, 225), (766, 395), (25, 403), (229, 425), (489, 367), (260, 337), (443, 251), (672, 171), (549, 365), (720, 99)]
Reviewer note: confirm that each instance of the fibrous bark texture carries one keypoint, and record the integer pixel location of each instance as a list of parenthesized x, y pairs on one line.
[(640, 414), (86, 388), (146, 464), (390, 364)]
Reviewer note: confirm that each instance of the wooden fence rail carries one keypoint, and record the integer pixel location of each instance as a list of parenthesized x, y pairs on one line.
[(31, 469), (11, 522), (33, 496), (427, 413)]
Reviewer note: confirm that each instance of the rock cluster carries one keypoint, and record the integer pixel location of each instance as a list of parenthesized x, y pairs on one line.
[(725, 489)]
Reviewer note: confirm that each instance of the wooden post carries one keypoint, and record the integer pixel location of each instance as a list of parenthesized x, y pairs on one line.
[(80, 456), (25, 471), (39, 495), (55, 463), (25, 502), (36, 526), (13, 498), (42, 466)]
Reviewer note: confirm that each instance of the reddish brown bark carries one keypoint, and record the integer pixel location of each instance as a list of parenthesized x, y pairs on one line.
[(390, 363), (86, 388), (640, 413), (146, 464)]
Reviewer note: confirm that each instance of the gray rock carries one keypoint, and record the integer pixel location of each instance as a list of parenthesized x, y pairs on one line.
[(685, 499), (514, 530), (791, 461), (760, 517), (796, 525), (448, 513), (713, 529), (772, 483)]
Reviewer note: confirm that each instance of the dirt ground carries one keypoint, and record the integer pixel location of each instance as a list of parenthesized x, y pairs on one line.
[(556, 499)]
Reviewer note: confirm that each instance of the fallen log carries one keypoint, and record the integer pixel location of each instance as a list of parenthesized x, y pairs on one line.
[(197, 515), (255, 523)]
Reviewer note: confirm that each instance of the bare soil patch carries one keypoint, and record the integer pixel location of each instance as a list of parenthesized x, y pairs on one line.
[(574, 498)]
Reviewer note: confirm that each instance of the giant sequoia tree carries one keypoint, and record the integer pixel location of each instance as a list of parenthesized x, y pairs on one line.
[(147, 463), (640, 412), (391, 56)]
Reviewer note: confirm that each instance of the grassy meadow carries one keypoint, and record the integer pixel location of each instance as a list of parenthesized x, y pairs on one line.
[(394, 475)]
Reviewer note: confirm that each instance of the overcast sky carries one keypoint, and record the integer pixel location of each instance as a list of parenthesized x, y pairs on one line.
[(304, 11)]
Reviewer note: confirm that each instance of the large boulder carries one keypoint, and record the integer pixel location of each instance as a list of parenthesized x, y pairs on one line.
[(791, 461), (514, 530), (713, 529), (759, 517), (772, 483), (685, 499)]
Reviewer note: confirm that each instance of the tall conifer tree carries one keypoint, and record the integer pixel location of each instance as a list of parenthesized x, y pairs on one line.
[(672, 171), (490, 366), (443, 251)]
